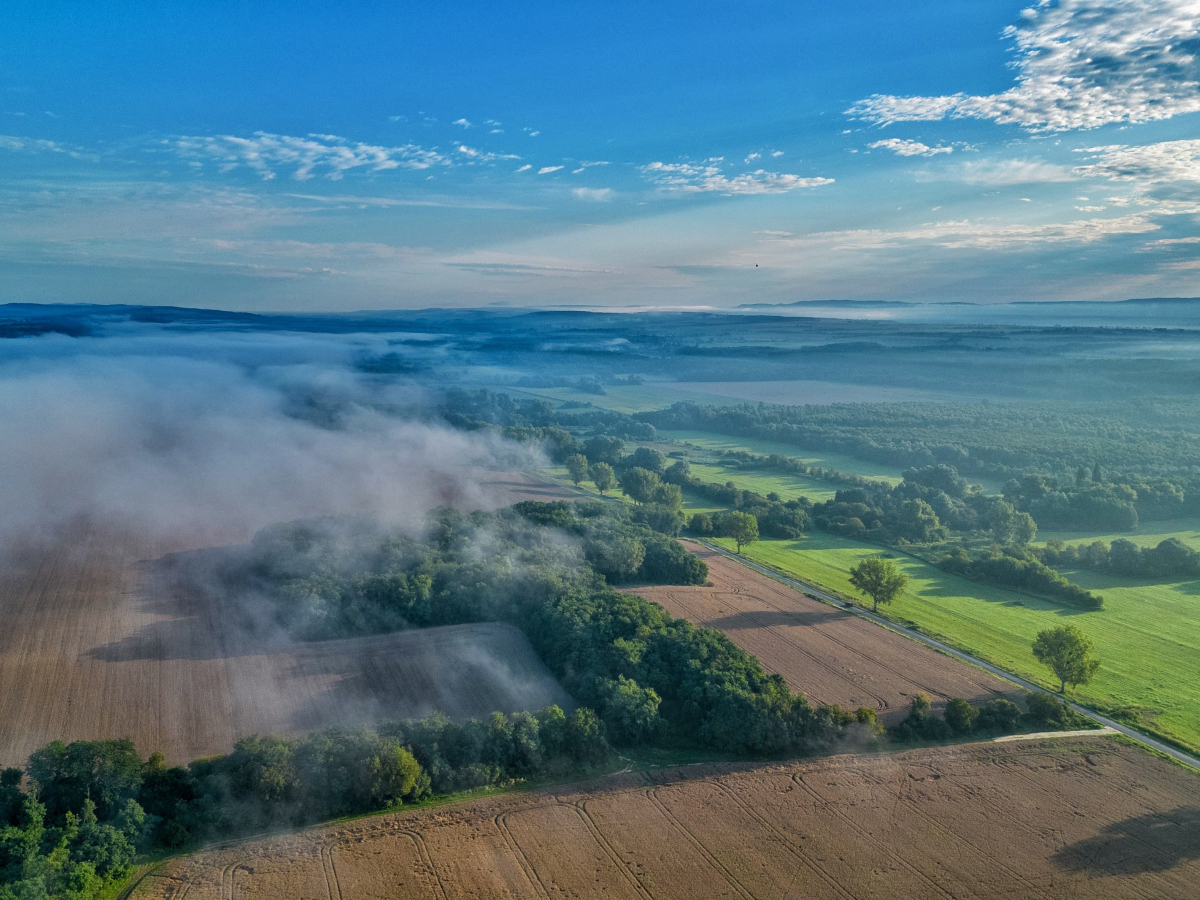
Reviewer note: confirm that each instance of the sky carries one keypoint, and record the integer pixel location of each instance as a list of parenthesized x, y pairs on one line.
[(345, 156)]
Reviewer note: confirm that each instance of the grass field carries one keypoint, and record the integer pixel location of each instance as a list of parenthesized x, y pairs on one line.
[(1148, 534), (629, 399), (708, 441), (788, 486), (1147, 636)]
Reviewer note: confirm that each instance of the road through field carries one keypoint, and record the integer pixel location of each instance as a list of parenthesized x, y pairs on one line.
[(1176, 754), (1083, 818)]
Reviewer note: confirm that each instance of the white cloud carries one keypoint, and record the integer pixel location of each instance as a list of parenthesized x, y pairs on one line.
[(707, 177), (265, 153), (463, 122), (777, 153), (33, 145), (1080, 64), (1165, 162), (596, 195), (482, 156), (1004, 171), (525, 168), (546, 170), (902, 147), (752, 157)]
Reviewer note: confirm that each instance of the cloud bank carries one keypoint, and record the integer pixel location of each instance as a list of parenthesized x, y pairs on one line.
[(214, 435), (707, 177), (1080, 64)]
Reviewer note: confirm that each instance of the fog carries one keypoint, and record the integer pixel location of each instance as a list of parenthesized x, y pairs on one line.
[(217, 434)]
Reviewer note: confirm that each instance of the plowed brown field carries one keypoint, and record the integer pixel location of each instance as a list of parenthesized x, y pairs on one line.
[(101, 636), (829, 655), (1087, 817)]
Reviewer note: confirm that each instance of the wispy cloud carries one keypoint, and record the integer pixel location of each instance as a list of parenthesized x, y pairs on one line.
[(474, 155), (1164, 162), (1002, 172), (329, 154), (707, 177), (596, 195), (462, 122), (34, 145), (902, 147), (546, 170), (1080, 64)]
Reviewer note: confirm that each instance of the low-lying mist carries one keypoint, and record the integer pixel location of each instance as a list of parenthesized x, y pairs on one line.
[(210, 436)]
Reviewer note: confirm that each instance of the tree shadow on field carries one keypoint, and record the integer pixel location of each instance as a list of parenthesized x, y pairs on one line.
[(768, 618), (1151, 843)]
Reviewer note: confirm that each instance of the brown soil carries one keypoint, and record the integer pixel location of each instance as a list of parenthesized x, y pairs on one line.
[(829, 655), (1086, 817), (101, 636)]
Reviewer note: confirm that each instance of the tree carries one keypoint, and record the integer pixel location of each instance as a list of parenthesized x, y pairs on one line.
[(647, 458), (741, 526), (603, 477), (1066, 651), (879, 579), (577, 467), (639, 484)]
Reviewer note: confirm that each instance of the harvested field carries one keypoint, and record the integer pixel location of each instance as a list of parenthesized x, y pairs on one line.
[(829, 655), (101, 637), (1089, 817)]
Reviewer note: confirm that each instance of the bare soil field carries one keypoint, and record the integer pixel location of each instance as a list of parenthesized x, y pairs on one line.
[(100, 637), (829, 655), (1090, 817)]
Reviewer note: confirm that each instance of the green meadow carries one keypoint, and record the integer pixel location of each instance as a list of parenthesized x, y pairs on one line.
[(705, 440), (1147, 636), (765, 481)]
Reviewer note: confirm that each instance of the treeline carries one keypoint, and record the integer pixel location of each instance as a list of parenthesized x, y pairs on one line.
[(649, 676), (89, 807), (1172, 558), (997, 440), (1021, 570), (993, 717)]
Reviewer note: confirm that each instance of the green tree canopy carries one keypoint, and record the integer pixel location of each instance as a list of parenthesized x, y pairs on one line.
[(577, 467), (878, 578), (1067, 652), (639, 484), (741, 526), (603, 477)]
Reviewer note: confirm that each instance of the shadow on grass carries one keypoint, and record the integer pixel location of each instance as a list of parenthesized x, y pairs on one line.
[(1154, 842)]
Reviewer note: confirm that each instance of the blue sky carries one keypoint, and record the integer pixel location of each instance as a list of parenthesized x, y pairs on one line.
[(340, 156)]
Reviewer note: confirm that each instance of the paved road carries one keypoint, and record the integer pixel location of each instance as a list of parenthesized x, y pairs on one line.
[(1185, 758)]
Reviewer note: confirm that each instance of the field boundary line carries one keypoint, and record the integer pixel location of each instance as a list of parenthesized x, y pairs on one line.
[(1158, 746), (1040, 735)]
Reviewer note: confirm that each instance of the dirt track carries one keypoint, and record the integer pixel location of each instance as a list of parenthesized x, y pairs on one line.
[(1087, 818), (829, 655), (99, 638)]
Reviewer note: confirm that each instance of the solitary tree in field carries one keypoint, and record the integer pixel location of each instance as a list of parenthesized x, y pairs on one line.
[(1067, 652), (741, 526), (603, 477), (879, 579), (577, 468)]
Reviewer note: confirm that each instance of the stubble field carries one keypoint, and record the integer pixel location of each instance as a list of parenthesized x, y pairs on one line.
[(829, 655), (106, 635), (1080, 818)]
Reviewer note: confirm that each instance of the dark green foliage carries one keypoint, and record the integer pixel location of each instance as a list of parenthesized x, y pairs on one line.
[(604, 449), (1022, 570), (701, 524), (106, 772), (1067, 652), (921, 724), (639, 484), (647, 458), (960, 716), (1050, 712), (998, 717), (1170, 559)]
